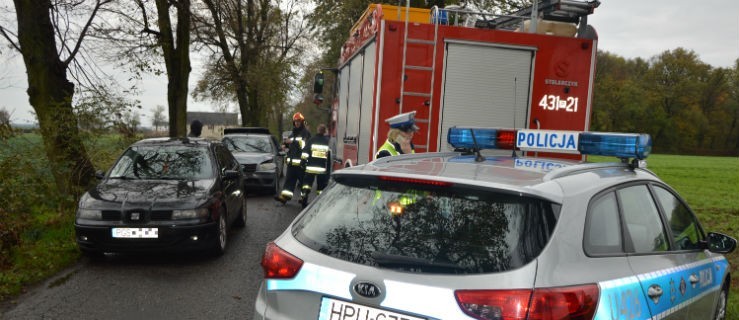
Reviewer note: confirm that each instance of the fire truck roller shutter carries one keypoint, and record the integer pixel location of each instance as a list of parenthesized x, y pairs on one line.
[(481, 85), (368, 84)]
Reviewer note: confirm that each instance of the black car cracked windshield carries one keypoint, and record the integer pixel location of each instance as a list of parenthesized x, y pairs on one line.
[(164, 195)]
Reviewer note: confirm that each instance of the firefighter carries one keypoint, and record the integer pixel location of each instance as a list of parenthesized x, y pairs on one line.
[(298, 138), (399, 138), (317, 163)]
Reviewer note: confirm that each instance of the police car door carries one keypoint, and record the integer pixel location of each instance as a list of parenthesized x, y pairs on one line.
[(698, 279), (660, 272)]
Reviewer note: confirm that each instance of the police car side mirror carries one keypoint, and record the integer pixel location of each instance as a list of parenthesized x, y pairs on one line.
[(720, 243), (100, 174)]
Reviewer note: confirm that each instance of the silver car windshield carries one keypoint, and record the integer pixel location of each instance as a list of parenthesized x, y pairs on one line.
[(427, 229), (170, 162), (261, 144)]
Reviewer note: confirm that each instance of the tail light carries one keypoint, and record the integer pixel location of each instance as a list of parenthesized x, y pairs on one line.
[(565, 303), (575, 303), (279, 264)]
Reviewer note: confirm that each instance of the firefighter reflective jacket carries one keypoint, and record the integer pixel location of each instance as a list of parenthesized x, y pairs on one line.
[(298, 138), (317, 155)]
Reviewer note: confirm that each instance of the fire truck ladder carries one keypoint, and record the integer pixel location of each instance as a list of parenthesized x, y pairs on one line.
[(430, 94)]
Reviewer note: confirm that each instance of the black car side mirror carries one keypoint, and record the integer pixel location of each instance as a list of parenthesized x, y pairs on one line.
[(720, 243), (100, 174), (231, 174)]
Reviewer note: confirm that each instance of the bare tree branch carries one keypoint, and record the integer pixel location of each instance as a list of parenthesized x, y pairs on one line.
[(84, 30), (6, 34)]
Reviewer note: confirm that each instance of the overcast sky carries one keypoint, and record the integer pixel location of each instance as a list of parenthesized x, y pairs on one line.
[(629, 28)]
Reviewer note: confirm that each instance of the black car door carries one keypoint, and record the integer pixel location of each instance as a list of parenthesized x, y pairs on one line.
[(231, 186)]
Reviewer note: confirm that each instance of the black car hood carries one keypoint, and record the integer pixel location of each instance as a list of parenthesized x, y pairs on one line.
[(252, 157), (150, 194)]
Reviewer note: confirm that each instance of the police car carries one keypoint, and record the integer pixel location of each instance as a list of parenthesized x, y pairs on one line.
[(466, 236)]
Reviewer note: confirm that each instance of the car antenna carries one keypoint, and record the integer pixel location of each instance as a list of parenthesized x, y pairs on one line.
[(515, 94), (478, 155)]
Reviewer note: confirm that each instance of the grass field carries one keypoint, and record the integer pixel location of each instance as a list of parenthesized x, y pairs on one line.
[(45, 239)]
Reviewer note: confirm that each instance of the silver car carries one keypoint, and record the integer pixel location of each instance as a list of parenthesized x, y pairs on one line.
[(464, 236), (260, 156)]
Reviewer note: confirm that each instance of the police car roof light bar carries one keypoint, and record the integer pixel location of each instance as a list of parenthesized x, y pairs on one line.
[(622, 145), (484, 138)]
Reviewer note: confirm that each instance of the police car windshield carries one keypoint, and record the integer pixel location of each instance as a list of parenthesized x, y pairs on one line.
[(426, 229)]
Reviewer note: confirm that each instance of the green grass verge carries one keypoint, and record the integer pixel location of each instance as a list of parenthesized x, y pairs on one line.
[(36, 225)]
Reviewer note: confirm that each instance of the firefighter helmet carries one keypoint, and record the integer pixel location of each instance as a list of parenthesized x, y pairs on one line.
[(298, 117)]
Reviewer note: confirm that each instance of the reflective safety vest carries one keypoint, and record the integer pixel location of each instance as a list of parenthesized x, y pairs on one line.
[(317, 155), (389, 147)]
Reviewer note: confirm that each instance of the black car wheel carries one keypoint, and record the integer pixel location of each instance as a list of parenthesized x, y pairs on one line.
[(241, 219), (723, 299), (221, 234)]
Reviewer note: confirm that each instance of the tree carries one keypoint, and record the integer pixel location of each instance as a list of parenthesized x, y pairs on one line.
[(40, 23), (158, 119), (175, 44), (253, 44)]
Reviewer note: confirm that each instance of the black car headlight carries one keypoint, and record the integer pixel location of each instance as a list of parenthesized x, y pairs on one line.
[(268, 165), (89, 214), (189, 213)]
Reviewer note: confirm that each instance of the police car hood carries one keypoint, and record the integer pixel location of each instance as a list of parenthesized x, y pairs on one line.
[(152, 194), (252, 157)]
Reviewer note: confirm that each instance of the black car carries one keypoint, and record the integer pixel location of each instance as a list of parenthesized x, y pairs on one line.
[(164, 194), (259, 154)]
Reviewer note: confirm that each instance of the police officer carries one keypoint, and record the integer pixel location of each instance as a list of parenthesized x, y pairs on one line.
[(298, 137), (317, 163), (399, 137)]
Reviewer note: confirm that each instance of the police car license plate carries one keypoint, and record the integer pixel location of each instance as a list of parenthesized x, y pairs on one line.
[(332, 309), (148, 233)]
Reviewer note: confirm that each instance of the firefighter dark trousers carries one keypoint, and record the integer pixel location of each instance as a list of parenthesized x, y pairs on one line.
[(293, 176), (321, 182)]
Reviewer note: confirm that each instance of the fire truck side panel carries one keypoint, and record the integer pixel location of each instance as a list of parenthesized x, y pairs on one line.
[(554, 94)]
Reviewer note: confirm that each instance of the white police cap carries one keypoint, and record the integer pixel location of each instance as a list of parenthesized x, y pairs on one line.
[(404, 121)]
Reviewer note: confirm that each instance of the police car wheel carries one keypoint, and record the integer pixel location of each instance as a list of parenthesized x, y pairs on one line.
[(721, 304)]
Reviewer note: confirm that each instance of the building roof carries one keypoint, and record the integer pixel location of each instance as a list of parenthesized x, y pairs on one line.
[(214, 118)]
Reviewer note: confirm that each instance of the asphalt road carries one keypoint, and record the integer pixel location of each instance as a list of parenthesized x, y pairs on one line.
[(185, 286)]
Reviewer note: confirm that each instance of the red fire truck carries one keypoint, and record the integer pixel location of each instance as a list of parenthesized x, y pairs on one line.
[(455, 67)]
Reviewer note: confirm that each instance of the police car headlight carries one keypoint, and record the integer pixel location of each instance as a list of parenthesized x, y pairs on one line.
[(267, 166), (89, 214), (189, 213)]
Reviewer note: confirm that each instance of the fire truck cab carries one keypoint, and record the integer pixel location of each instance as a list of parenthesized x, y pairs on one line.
[(456, 67)]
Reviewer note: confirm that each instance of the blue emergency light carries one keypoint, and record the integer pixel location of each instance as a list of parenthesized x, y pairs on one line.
[(621, 145), (484, 138)]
